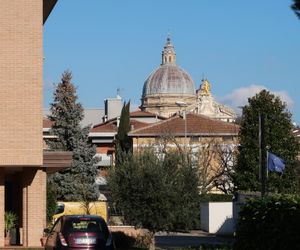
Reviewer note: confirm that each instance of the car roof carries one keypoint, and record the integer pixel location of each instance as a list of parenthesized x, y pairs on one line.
[(87, 216)]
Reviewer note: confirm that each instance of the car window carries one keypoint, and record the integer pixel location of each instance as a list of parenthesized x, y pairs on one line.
[(60, 208), (85, 225)]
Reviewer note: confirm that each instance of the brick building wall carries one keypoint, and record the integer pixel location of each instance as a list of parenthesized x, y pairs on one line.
[(21, 145), (2, 191), (21, 27), (34, 206)]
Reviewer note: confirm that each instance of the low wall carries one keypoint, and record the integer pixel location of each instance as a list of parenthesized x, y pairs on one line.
[(128, 230), (217, 217)]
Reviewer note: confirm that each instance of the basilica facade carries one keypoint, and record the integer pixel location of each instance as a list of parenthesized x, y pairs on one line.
[(170, 89)]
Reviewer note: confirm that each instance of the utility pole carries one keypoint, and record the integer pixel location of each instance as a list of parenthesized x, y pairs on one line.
[(184, 117), (183, 104)]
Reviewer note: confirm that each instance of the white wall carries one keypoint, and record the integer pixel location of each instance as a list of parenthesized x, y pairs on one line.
[(217, 217)]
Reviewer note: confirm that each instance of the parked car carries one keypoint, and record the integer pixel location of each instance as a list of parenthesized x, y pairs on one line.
[(79, 232)]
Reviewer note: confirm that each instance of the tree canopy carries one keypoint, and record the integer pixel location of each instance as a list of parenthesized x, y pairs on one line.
[(123, 143), (279, 140), (156, 190), (296, 7), (78, 181), (122, 139)]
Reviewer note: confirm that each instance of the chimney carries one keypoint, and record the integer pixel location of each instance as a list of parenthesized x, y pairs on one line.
[(104, 118)]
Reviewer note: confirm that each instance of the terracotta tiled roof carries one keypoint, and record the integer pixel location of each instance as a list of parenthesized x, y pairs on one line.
[(139, 113), (108, 126), (111, 126), (195, 125), (134, 114), (47, 123)]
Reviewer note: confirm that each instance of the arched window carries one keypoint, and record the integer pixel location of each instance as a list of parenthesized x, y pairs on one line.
[(170, 58)]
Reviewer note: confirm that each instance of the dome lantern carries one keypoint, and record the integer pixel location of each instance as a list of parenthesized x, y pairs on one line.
[(168, 53)]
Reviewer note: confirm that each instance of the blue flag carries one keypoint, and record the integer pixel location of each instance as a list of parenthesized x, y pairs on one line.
[(275, 163)]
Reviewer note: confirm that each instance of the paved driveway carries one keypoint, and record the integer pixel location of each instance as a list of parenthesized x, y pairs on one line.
[(195, 238)]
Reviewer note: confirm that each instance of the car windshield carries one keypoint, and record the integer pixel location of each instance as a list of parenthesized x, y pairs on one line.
[(85, 225)]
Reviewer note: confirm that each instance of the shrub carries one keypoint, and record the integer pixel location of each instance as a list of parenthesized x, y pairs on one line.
[(144, 240), (215, 247), (207, 247), (51, 202), (269, 223), (122, 240), (159, 194), (215, 197), (10, 221)]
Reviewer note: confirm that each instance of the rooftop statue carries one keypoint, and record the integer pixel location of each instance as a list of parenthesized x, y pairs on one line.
[(205, 88)]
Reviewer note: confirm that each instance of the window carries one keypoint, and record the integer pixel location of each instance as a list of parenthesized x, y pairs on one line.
[(194, 139), (227, 138), (84, 225), (60, 208)]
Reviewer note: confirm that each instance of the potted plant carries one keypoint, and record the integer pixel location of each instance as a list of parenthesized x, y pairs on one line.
[(10, 220)]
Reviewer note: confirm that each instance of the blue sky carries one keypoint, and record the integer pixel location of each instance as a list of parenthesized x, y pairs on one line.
[(240, 46)]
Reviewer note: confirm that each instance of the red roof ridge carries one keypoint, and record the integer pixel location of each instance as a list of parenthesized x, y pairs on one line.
[(190, 116), (110, 123), (146, 112), (214, 120), (103, 123), (154, 124)]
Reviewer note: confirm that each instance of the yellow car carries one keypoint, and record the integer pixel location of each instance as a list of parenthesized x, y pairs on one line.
[(70, 208)]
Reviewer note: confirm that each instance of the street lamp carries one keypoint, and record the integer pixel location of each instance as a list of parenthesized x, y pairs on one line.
[(183, 104)]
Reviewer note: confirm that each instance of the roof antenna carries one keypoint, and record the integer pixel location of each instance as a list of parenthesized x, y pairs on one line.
[(118, 92), (169, 36)]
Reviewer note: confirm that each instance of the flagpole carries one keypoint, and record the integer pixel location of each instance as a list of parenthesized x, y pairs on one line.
[(267, 165), (262, 159), (267, 171), (259, 146)]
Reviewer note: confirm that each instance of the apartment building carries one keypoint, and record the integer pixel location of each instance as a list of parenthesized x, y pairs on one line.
[(23, 163)]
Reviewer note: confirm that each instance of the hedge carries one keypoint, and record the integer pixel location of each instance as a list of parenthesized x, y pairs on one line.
[(206, 247), (269, 223), (215, 197)]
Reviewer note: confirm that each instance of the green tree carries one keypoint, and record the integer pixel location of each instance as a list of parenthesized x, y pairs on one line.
[(213, 160), (122, 138), (123, 142), (77, 182), (156, 189), (296, 7), (51, 202), (279, 140)]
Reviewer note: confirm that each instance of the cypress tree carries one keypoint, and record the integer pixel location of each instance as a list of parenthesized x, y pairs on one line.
[(123, 142), (77, 182)]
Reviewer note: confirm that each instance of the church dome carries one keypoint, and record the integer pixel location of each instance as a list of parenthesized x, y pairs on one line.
[(169, 78), (168, 86)]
